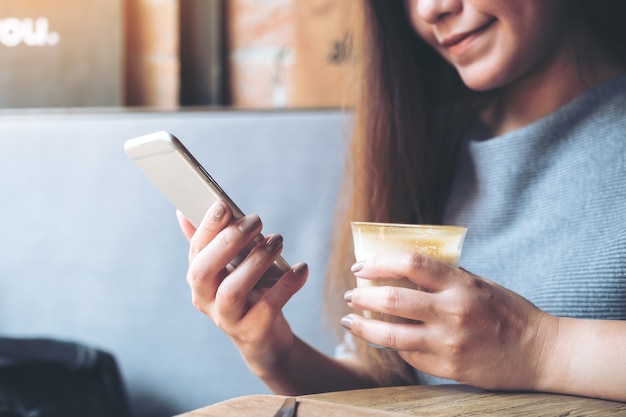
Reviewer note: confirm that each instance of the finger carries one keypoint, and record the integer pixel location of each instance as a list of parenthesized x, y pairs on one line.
[(422, 270), (215, 219), (398, 301), (280, 293), (203, 292), (211, 264), (397, 336), (185, 225), (234, 293)]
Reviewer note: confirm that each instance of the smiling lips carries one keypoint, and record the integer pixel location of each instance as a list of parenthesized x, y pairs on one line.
[(460, 37)]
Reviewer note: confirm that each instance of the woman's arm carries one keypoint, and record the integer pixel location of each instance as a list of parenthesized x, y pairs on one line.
[(253, 317), (585, 357), (477, 332), (308, 371)]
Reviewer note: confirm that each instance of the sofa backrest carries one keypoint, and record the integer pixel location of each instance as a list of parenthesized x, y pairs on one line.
[(91, 251)]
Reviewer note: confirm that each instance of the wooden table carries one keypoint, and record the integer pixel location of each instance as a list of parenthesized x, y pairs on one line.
[(426, 401)]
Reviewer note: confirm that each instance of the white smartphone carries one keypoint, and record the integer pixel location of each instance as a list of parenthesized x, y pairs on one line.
[(188, 186)]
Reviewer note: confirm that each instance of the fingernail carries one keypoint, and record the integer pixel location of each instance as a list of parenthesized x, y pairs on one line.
[(300, 269), (273, 243), (348, 296), (357, 267), (346, 322), (249, 223), (217, 211)]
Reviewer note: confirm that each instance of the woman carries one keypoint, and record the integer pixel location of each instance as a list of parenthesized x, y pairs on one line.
[(504, 116)]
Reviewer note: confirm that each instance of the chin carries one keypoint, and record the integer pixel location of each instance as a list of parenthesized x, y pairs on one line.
[(484, 78), (480, 82)]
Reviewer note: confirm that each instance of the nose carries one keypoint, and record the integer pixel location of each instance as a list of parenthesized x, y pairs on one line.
[(432, 11)]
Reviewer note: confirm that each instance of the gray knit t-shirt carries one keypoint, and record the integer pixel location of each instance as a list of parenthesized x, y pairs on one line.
[(546, 207)]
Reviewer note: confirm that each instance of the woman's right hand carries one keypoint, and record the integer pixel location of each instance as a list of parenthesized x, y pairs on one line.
[(251, 317)]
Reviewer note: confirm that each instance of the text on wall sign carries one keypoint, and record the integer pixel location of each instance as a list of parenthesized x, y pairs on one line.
[(29, 32)]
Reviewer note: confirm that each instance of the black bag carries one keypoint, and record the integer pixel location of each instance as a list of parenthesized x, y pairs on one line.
[(50, 378)]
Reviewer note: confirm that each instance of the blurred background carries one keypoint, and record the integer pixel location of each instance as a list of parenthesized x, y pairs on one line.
[(170, 53), (91, 255)]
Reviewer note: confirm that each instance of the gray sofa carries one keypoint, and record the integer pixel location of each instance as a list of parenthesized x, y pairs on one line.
[(91, 251)]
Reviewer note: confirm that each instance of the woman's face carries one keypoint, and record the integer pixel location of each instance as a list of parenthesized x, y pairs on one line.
[(491, 43)]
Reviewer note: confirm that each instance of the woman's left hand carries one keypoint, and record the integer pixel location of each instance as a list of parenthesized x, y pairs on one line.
[(469, 329)]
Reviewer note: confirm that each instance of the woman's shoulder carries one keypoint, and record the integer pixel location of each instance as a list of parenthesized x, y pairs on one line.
[(602, 106), (606, 99)]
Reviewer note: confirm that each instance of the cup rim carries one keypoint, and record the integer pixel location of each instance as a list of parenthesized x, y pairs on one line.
[(411, 226)]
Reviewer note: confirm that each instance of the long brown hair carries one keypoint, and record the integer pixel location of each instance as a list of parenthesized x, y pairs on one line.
[(411, 113), (399, 165)]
